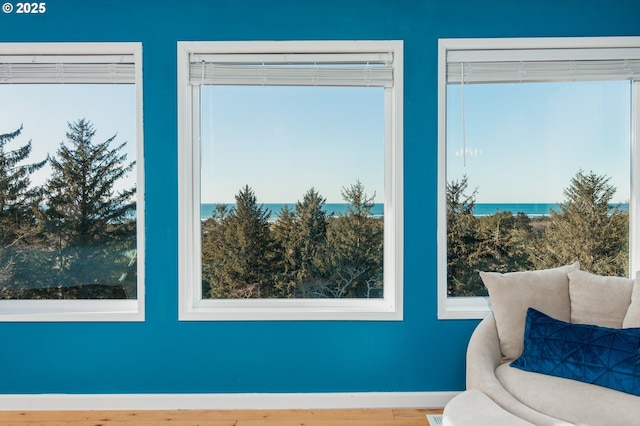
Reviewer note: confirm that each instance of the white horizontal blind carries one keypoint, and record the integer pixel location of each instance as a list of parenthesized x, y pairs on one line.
[(540, 65), (67, 69), (343, 69)]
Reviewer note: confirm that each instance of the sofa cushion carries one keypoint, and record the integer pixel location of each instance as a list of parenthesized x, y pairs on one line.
[(570, 400), (512, 293), (632, 318), (608, 357), (599, 300), (472, 407)]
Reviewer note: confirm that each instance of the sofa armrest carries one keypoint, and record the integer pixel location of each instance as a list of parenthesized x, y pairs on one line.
[(483, 357), (483, 354)]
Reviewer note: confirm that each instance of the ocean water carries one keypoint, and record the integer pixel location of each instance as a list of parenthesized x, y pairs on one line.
[(332, 209), (481, 209), (530, 209)]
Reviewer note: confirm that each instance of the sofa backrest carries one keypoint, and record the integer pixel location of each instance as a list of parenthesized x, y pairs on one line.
[(565, 293), (599, 300)]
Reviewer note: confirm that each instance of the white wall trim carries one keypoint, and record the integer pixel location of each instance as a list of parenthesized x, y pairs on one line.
[(244, 401)]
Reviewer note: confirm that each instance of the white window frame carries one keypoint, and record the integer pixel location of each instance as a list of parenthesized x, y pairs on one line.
[(528, 49), (86, 53), (191, 305)]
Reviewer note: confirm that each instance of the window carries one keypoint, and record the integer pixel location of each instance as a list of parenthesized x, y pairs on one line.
[(290, 168), (537, 160), (71, 182)]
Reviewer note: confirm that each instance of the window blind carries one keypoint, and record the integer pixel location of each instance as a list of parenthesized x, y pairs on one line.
[(541, 65), (68, 69), (344, 69)]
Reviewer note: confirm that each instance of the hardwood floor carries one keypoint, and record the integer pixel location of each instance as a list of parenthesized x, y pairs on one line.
[(377, 417)]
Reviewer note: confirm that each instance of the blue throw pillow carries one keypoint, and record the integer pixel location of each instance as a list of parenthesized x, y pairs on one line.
[(608, 357)]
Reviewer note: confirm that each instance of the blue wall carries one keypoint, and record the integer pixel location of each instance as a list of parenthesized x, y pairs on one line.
[(164, 355)]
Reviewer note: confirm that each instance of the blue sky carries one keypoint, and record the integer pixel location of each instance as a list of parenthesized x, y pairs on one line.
[(525, 141), (282, 141), (45, 109)]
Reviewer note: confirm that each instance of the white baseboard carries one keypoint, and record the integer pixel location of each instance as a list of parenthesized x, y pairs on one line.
[(247, 401)]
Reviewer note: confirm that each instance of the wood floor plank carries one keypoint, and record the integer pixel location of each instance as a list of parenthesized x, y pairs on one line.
[(94, 418), (415, 412), (319, 422), (367, 417), (279, 415), (173, 422)]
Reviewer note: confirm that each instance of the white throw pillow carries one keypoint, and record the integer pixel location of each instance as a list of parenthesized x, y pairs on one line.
[(632, 319), (599, 300), (513, 293)]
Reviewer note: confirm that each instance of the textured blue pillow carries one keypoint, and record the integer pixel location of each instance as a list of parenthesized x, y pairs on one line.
[(608, 357)]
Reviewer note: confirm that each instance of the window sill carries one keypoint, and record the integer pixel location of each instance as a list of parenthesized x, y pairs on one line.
[(71, 311), (291, 310), (464, 308)]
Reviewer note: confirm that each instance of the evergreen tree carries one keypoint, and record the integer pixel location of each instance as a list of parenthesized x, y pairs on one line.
[(18, 202), (301, 235), (503, 244), (88, 222), (462, 241), (353, 256), (311, 233), (242, 252), (285, 237), (212, 247), (587, 229)]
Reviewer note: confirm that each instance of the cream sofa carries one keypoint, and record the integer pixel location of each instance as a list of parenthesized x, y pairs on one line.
[(566, 294)]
